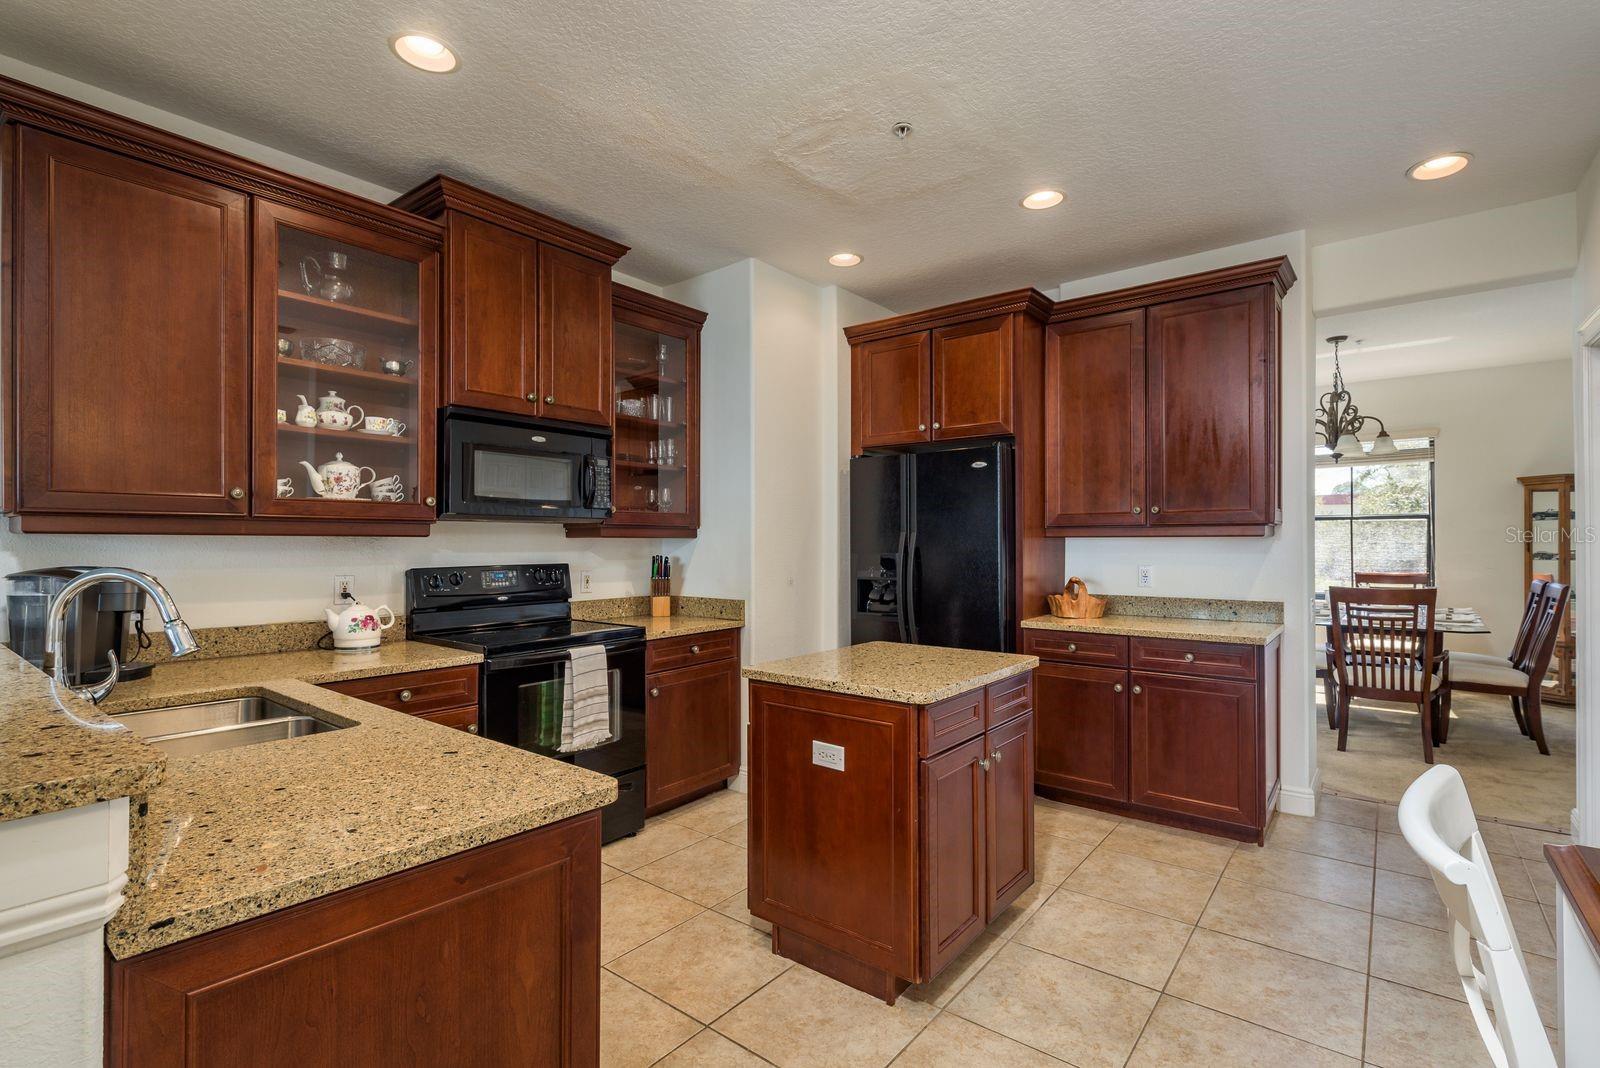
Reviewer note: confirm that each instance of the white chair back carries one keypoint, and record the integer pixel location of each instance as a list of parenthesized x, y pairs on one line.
[(1438, 823)]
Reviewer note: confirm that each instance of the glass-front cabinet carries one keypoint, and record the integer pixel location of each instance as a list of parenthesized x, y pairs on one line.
[(655, 454), (345, 345), (1550, 553)]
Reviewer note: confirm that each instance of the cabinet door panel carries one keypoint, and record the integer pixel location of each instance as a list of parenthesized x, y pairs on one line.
[(574, 337), (493, 320), (132, 354), (1009, 814), (1193, 747), (954, 898), (691, 730), (1210, 429), (1082, 715), (891, 391), (1094, 409), (972, 377)]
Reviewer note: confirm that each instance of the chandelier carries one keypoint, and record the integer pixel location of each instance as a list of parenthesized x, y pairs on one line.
[(1340, 422)]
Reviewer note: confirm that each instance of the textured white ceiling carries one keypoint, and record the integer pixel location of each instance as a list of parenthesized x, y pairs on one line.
[(703, 131), (1494, 328)]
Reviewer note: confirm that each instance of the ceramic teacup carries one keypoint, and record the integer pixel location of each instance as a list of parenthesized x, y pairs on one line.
[(285, 487), (382, 424)]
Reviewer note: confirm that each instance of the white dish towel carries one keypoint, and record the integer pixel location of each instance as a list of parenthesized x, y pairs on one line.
[(585, 700)]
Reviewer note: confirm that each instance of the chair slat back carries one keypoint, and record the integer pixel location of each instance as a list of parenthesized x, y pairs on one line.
[(1439, 825), (1392, 578), (1546, 629), (1530, 616), (1383, 641)]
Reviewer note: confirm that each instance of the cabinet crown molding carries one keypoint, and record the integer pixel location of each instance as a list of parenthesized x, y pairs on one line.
[(1029, 301), (637, 300), (443, 193), (1258, 272), (32, 106)]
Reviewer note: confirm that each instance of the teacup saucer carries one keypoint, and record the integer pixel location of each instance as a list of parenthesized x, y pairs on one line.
[(375, 433)]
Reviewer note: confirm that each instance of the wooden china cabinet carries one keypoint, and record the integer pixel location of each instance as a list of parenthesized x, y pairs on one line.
[(655, 412), (1549, 551), (152, 281)]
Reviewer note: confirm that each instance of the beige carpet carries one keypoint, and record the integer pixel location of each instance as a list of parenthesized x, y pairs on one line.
[(1508, 779)]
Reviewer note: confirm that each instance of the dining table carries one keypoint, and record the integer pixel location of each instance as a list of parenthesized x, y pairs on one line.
[(1464, 620)]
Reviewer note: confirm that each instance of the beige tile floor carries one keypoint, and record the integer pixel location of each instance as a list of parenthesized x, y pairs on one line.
[(1139, 946)]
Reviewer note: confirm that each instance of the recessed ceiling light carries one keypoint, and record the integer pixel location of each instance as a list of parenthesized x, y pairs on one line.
[(424, 52), (1043, 198), (844, 259), (1440, 166)]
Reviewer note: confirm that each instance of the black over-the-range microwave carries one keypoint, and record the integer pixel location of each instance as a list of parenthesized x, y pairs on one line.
[(495, 466)]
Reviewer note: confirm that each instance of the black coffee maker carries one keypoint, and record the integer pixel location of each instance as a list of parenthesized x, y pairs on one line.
[(97, 622)]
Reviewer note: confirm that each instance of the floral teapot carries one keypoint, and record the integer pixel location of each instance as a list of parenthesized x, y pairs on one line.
[(356, 628), (338, 479)]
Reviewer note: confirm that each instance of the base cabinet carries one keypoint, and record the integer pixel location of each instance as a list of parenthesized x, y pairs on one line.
[(448, 696), (1176, 732), (691, 717), (414, 968), (881, 872)]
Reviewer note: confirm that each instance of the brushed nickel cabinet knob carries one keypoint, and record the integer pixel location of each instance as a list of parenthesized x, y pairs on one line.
[(1189, 657), (995, 755), (431, 501), (236, 493), (655, 691), (694, 649), (549, 400), (1137, 690), (1137, 509), (936, 426), (472, 728), (1072, 647), (922, 426), (1116, 688), (984, 763), (1154, 508), (405, 695), (533, 398)]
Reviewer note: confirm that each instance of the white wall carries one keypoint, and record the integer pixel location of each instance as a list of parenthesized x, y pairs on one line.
[(1277, 568), (1513, 245), (1495, 424), (1586, 395)]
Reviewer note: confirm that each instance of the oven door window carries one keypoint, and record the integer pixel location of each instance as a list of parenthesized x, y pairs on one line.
[(507, 476), (539, 710)]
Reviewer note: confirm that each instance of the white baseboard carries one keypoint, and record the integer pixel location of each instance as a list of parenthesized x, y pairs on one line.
[(740, 783), (1301, 801)]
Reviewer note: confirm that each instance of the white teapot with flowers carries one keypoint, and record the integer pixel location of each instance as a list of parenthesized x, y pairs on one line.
[(357, 628)]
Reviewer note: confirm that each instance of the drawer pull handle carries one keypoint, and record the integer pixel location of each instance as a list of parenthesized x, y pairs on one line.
[(1188, 658), (695, 649), (1072, 647), (472, 728), (655, 691), (1137, 690), (405, 695), (1117, 688)]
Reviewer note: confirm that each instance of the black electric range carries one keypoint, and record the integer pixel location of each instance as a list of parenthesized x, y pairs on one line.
[(520, 617)]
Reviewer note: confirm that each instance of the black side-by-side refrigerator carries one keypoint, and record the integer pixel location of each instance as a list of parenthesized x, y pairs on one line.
[(931, 547)]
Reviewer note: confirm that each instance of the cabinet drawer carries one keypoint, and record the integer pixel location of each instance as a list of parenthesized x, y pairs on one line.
[(1077, 647), (417, 692), (950, 722), (1008, 699), (664, 654), (1218, 660), (462, 719)]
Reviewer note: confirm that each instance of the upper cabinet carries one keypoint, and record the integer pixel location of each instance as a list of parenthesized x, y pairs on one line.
[(654, 401), (169, 301), (527, 307), (1162, 407), (942, 375)]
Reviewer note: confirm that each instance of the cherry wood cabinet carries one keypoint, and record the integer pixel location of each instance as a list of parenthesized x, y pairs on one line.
[(892, 390), (1176, 732), (692, 714), (881, 872), (972, 378), (1162, 407), (448, 696), (152, 281), (527, 306), (655, 413), (491, 956)]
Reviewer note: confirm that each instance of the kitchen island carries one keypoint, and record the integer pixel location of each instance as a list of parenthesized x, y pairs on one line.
[(891, 805), (386, 889)]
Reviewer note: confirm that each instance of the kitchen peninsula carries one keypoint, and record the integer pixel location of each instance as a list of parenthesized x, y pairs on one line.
[(891, 805)]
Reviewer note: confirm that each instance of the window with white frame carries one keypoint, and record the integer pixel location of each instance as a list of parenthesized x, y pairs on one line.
[(1374, 513)]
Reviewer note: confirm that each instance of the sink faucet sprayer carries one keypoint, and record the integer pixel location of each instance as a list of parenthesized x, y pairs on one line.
[(177, 631)]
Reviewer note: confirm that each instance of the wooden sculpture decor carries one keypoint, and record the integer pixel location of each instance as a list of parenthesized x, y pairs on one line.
[(1076, 602)]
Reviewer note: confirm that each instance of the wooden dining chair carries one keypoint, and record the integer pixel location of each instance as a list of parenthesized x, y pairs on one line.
[(1383, 645), (1413, 579), (1523, 680), (1438, 823), (1519, 647)]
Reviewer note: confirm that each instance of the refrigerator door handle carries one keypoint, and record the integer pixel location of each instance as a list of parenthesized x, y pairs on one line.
[(908, 590), (900, 562)]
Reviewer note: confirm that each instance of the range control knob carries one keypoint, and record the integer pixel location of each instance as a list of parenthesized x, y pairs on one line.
[(457, 578), (434, 582), (541, 575)]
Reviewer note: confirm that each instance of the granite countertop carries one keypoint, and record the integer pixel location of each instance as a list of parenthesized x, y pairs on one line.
[(238, 833), (1233, 632), (892, 671), (691, 615), (677, 626)]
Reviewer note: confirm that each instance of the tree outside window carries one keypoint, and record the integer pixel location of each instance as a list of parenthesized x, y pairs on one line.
[(1375, 516)]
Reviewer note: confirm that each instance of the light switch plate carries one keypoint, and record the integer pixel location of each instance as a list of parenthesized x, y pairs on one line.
[(824, 755)]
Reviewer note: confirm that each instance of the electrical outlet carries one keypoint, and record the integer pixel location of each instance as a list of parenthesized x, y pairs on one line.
[(1147, 575), (586, 581), (824, 755), (344, 588)]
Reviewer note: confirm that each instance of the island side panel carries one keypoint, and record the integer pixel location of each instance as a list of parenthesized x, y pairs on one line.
[(833, 854)]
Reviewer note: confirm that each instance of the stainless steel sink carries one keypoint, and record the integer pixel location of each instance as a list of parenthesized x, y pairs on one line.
[(188, 730)]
